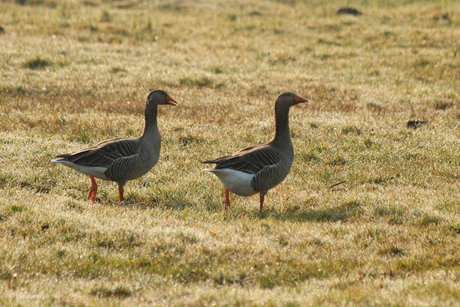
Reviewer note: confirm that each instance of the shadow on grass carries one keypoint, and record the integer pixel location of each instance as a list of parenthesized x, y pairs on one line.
[(173, 202), (344, 212)]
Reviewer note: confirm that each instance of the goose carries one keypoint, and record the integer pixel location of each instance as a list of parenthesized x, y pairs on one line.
[(122, 159), (257, 169)]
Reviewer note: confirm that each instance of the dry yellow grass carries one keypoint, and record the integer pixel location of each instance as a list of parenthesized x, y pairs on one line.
[(77, 72)]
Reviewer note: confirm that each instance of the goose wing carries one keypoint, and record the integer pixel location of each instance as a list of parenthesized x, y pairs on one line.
[(104, 153), (249, 160)]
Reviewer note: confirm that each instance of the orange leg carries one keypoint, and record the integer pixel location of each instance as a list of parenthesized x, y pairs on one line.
[(227, 200), (262, 198), (120, 192), (92, 189)]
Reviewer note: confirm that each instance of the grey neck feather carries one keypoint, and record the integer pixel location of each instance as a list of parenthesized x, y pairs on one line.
[(150, 141), (282, 138), (151, 111)]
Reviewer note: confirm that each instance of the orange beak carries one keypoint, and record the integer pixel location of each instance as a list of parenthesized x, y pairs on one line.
[(170, 101), (299, 99)]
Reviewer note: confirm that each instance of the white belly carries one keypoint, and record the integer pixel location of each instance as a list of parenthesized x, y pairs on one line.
[(236, 181), (94, 171)]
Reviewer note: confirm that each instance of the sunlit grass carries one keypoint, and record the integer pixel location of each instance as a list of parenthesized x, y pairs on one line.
[(367, 216)]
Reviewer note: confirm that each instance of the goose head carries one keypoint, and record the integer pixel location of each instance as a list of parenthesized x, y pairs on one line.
[(160, 97), (288, 99)]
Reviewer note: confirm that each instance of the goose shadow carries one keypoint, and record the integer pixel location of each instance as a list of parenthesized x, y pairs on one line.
[(172, 201), (169, 203), (343, 213)]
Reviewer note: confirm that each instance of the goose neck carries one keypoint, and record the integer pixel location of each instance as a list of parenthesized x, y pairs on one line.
[(150, 118), (282, 134)]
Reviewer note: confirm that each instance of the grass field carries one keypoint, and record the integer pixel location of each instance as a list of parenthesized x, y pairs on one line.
[(74, 73)]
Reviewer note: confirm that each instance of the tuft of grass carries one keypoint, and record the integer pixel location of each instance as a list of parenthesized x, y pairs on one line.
[(266, 282), (186, 140), (337, 160), (391, 251), (36, 63), (351, 130), (197, 82), (118, 291), (117, 69), (442, 104), (105, 16), (217, 70)]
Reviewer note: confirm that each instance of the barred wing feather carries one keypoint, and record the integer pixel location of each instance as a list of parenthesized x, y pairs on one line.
[(249, 160), (104, 153)]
